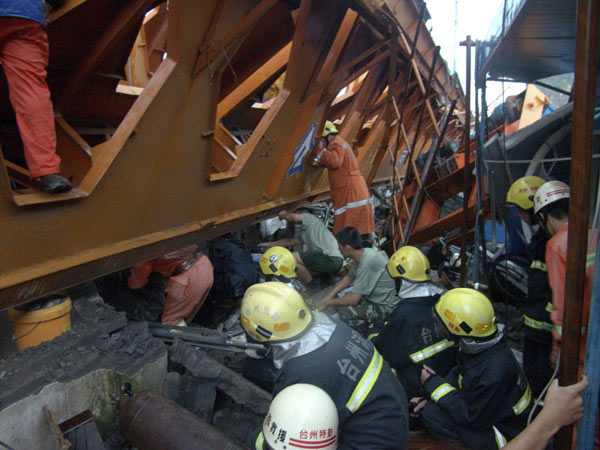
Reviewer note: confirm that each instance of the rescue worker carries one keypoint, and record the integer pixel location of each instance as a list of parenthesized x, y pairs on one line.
[(372, 292), (320, 255), (519, 211), (352, 204), (24, 56), (278, 264), (484, 401), (302, 416), (412, 336), (552, 209), (538, 327), (309, 347), (190, 275)]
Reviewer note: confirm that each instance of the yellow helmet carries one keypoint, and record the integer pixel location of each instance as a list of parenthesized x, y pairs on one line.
[(521, 192), (409, 263), (466, 312), (273, 311), (278, 261), (329, 128)]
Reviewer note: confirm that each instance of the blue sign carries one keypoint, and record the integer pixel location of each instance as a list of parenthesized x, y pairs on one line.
[(302, 150)]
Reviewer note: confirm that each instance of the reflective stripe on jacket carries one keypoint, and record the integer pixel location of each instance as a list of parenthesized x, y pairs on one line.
[(371, 403), (493, 391), (349, 192), (411, 338)]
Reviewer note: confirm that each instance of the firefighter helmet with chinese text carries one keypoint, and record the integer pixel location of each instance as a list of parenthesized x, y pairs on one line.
[(409, 263), (301, 416), (550, 192), (522, 191), (466, 313), (329, 128), (274, 311), (278, 261)]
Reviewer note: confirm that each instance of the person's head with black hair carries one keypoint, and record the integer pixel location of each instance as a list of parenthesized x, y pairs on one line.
[(349, 242)]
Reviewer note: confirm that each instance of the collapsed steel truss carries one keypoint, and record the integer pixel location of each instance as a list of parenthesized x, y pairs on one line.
[(165, 132)]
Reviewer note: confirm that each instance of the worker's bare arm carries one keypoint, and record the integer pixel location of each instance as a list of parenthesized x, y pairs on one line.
[(562, 406)]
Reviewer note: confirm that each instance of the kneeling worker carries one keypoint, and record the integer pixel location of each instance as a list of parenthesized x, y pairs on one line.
[(320, 255), (413, 336), (308, 347), (373, 293), (484, 401)]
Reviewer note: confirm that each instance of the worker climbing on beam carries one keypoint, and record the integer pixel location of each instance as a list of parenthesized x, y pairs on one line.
[(309, 347), (350, 195), (190, 275), (412, 336), (372, 291), (538, 327), (320, 255), (24, 57), (485, 399), (552, 210)]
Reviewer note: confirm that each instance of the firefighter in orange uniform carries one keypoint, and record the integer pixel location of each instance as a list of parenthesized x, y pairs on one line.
[(349, 192)]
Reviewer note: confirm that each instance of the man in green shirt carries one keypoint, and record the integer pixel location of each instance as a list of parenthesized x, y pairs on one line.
[(372, 291), (320, 255)]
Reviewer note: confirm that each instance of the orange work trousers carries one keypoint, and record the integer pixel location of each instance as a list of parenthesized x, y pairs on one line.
[(24, 57)]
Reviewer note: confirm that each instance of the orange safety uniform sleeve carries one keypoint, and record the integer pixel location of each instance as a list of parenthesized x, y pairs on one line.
[(187, 292), (138, 276)]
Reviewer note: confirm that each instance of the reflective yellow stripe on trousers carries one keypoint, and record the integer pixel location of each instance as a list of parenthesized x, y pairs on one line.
[(537, 264), (366, 382), (260, 440), (523, 402), (500, 439)]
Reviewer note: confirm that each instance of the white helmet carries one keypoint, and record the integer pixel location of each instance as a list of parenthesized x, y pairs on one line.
[(549, 192), (301, 416)]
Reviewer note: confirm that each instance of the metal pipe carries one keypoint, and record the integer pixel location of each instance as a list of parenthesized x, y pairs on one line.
[(150, 421), (586, 51), (466, 141)]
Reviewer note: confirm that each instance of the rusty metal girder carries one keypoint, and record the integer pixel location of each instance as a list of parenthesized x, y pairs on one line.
[(150, 185)]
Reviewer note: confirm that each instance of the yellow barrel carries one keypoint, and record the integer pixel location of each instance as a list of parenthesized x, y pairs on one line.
[(34, 327)]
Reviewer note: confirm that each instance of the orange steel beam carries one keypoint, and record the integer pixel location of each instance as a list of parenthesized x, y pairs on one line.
[(146, 192)]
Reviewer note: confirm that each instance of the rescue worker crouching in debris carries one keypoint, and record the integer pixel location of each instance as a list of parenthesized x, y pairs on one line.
[(412, 336), (300, 416), (485, 400), (24, 56), (372, 293), (190, 275), (320, 255), (308, 347), (552, 210), (278, 264), (538, 327), (350, 195)]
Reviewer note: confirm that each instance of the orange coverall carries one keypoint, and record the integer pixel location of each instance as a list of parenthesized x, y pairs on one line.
[(24, 57), (185, 292), (556, 263), (349, 192)]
